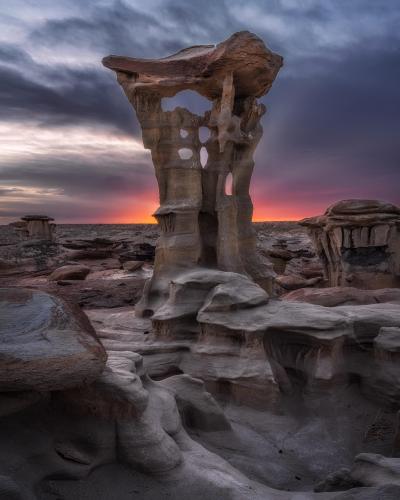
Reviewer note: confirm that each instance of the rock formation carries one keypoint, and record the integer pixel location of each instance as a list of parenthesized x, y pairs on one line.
[(97, 415), (45, 344), (291, 253), (205, 295), (202, 226), (369, 469), (255, 355), (358, 242), (72, 420), (72, 272), (39, 227), (344, 296), (68, 408)]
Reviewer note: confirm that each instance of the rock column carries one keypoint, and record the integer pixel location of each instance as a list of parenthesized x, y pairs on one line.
[(202, 224)]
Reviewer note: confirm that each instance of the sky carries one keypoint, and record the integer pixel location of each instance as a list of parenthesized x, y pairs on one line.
[(70, 144)]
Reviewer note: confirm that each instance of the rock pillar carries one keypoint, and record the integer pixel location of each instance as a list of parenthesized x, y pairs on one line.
[(202, 224)]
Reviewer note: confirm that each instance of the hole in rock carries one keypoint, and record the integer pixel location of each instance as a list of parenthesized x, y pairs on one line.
[(204, 134), (229, 184), (203, 156), (185, 153), (188, 99), (365, 256), (184, 133)]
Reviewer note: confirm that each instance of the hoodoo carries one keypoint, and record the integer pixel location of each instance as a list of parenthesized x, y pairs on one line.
[(202, 227)]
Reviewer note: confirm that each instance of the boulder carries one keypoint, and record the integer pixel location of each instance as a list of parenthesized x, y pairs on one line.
[(220, 290), (294, 282), (239, 293), (132, 265), (74, 272), (45, 343)]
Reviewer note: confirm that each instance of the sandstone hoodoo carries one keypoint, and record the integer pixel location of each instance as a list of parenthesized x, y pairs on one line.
[(201, 225), (39, 227), (358, 242), (234, 372)]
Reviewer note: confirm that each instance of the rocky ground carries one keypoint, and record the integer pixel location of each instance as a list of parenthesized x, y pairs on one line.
[(104, 248), (274, 425)]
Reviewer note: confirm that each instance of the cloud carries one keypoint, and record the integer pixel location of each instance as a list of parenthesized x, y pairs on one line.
[(334, 135), (60, 96), (74, 174), (331, 131)]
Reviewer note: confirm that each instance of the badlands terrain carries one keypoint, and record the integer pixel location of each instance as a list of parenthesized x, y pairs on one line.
[(296, 432), (206, 357)]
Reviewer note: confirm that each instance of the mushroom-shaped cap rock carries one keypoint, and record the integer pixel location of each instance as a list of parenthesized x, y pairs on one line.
[(355, 212), (203, 68), (36, 217), (355, 207)]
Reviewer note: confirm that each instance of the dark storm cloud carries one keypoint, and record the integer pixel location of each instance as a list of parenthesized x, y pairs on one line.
[(59, 96), (76, 189), (80, 176), (121, 28), (10, 191), (333, 125), (64, 210), (340, 130)]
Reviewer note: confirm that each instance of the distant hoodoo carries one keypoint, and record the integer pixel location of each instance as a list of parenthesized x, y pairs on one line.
[(358, 242), (36, 227)]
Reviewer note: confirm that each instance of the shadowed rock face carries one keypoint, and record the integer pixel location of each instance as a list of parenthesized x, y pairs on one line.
[(201, 225), (358, 242)]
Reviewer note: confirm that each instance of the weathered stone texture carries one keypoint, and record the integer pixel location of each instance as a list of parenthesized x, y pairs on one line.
[(201, 225), (358, 242)]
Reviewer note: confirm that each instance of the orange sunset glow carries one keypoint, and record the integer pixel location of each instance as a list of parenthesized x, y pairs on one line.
[(71, 146), (142, 207)]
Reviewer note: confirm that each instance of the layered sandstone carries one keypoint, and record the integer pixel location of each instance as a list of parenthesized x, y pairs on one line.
[(202, 226), (358, 242), (39, 227)]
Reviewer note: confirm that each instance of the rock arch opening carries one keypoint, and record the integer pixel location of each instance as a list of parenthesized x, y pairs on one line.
[(188, 99), (229, 185)]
